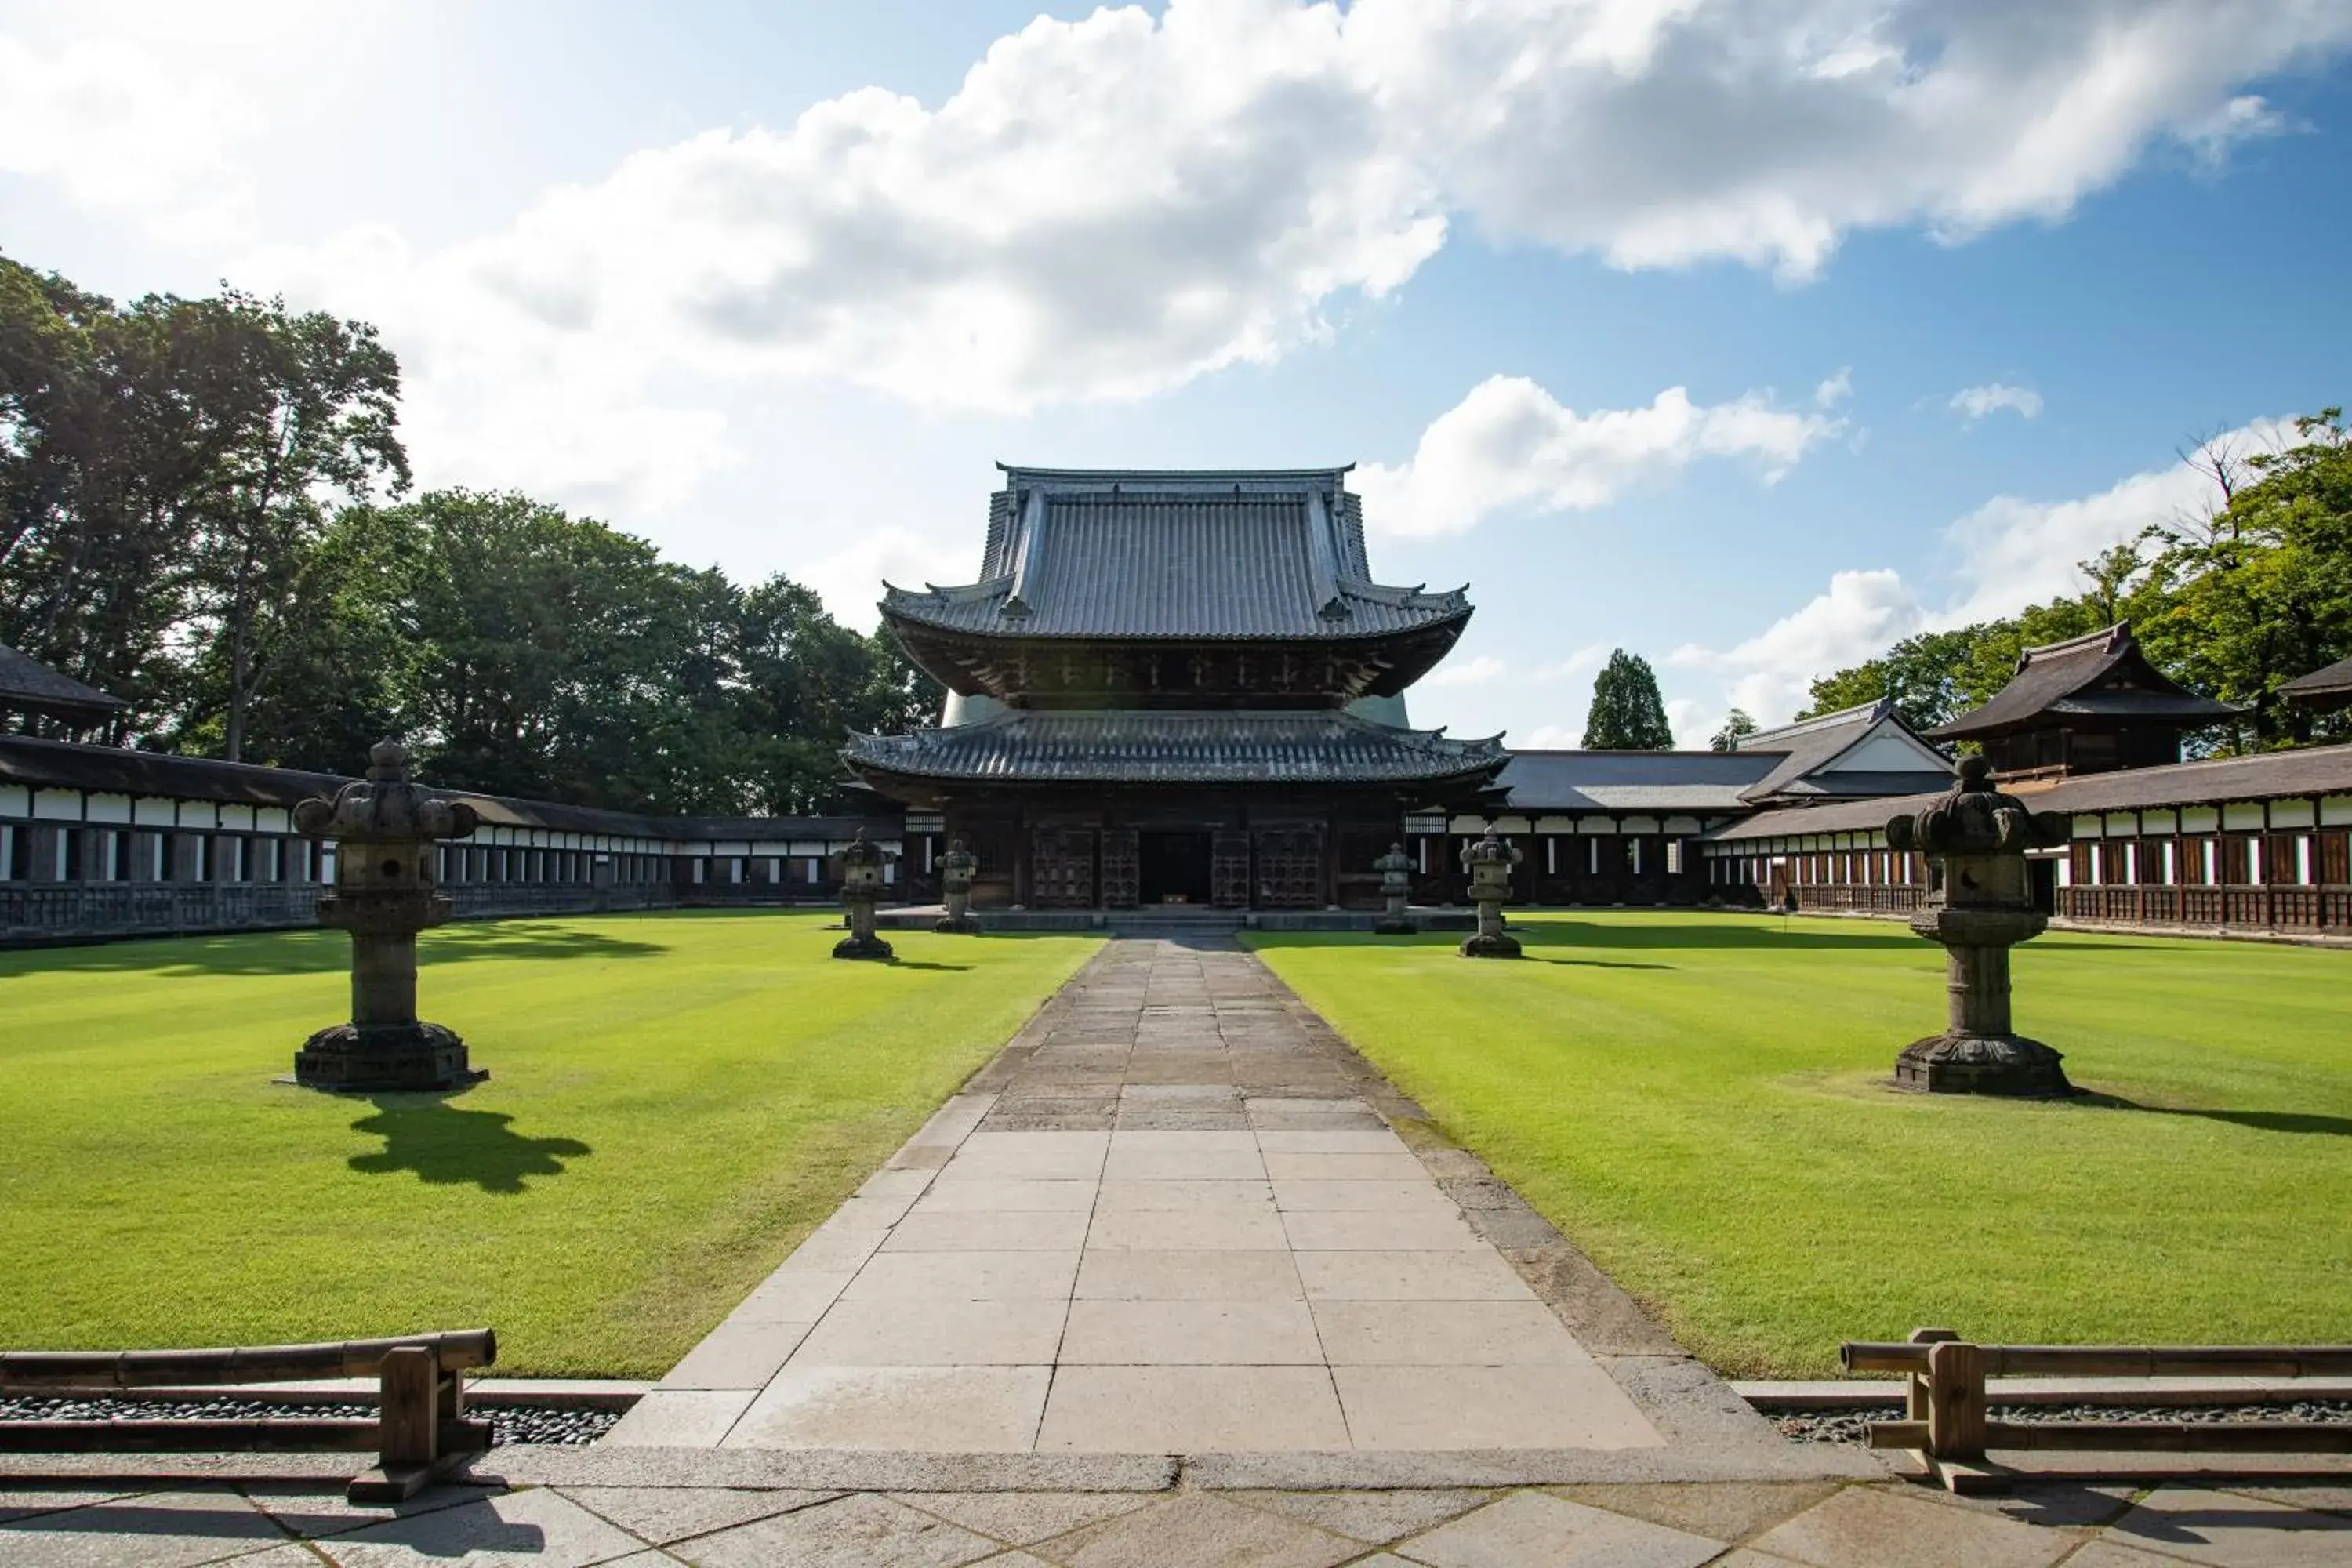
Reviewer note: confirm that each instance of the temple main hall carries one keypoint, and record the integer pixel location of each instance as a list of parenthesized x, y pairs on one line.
[(1173, 688)]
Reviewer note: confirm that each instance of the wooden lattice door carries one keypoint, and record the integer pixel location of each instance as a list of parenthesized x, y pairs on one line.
[(1062, 869), (1229, 870), (1290, 867), (1121, 873)]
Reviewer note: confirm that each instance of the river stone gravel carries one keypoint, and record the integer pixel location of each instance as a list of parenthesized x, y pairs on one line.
[(1846, 1426), (508, 1423)]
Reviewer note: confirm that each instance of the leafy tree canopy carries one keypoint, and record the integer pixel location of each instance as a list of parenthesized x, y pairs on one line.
[(1736, 726)]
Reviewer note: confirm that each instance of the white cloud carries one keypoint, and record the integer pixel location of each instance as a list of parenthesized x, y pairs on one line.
[(1835, 390), (116, 130), (2247, 117), (1510, 444), (2007, 554), (1975, 401), (849, 580), (1552, 738), (1107, 207), (2012, 553), (1768, 675)]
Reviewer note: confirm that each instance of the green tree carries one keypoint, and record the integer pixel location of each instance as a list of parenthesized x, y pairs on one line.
[(1736, 726), (1627, 712), (2264, 586)]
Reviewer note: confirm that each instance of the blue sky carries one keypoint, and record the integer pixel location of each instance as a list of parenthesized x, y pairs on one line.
[(1748, 337)]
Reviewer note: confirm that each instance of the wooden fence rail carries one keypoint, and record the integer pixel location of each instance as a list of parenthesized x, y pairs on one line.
[(420, 1424), (1948, 1420)]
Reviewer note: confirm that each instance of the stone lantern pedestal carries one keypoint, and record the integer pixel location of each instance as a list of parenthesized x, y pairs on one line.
[(957, 869), (1979, 908), (861, 891), (1489, 861), (384, 830), (1396, 886)]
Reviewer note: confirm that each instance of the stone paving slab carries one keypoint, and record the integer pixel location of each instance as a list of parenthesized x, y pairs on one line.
[(1218, 1244), (1149, 1521)]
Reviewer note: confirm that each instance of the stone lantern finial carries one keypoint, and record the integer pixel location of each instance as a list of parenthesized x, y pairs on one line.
[(1979, 906), (385, 830)]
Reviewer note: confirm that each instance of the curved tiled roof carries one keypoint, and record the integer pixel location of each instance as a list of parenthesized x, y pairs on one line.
[(29, 684), (1151, 746), (2057, 678), (1194, 555)]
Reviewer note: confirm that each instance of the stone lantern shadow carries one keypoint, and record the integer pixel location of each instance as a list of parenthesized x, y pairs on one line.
[(384, 830), (1979, 907)]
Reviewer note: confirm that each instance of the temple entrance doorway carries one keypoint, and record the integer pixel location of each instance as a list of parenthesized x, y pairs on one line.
[(1173, 866)]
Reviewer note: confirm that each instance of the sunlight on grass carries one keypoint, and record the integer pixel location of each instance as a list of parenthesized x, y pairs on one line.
[(674, 1102), (1701, 1103)]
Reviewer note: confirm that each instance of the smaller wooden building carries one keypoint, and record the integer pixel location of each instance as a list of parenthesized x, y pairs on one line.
[(2090, 704)]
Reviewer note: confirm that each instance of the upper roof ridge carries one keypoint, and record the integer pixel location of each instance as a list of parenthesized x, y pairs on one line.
[(1874, 710), (2106, 639)]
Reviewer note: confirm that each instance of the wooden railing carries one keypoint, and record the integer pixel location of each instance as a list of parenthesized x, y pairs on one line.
[(420, 1424), (1948, 1424), (2291, 908)]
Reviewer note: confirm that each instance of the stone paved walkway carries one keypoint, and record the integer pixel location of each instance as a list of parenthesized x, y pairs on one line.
[(1167, 1287), (1168, 1222)]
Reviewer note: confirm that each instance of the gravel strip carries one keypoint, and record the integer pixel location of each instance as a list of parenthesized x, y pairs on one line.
[(1846, 1426), (508, 1424)]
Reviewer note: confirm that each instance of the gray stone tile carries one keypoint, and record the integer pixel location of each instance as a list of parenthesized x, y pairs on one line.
[(679, 1418), (1022, 1518), (2231, 1530), (1032, 1230), (983, 1194), (1532, 1406), (1207, 1164), (151, 1530), (1275, 1141), (1410, 1276), (318, 1507), (965, 1277), (1528, 1528), (924, 1409), (1373, 1517), (1200, 1528), (737, 1354), (1185, 1230), (1420, 1195), (1244, 1196), (861, 1531), (936, 1332), (1259, 1275), (663, 1514), (2107, 1554), (792, 1296), (1346, 1231), (1283, 1167), (539, 1527), (1862, 1524), (22, 1501), (1444, 1334), (1191, 1409), (1729, 1510), (1190, 1334)]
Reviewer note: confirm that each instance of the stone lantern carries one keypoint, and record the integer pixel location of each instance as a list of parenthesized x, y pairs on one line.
[(1396, 886), (1980, 906), (384, 830), (1489, 862), (955, 869), (861, 890)]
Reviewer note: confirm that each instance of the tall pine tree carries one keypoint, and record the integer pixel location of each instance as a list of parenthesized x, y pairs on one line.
[(1628, 715)]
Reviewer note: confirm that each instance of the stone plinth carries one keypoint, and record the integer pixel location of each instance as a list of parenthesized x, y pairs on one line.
[(384, 830), (1979, 908)]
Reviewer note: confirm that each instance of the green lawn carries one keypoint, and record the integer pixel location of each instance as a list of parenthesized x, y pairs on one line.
[(674, 1102), (1701, 1103)]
